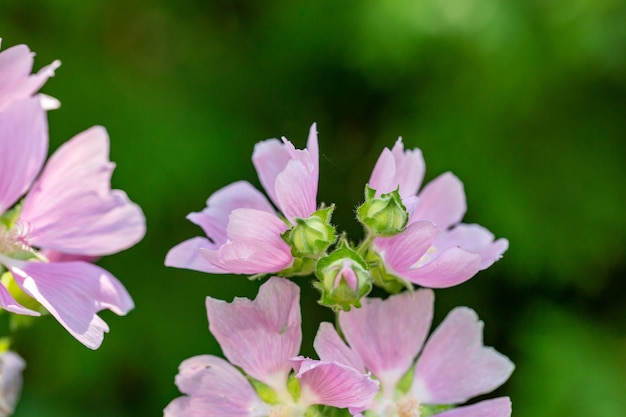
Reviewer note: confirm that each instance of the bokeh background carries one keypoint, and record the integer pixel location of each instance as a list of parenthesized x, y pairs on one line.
[(524, 100)]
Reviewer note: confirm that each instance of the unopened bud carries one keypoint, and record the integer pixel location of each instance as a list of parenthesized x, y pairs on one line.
[(384, 215), (312, 236), (344, 278)]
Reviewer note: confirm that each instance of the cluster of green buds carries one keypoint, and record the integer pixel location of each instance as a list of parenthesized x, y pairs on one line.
[(347, 273)]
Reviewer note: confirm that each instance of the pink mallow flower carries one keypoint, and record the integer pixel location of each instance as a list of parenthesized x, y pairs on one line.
[(262, 337), (243, 228), (69, 213), (435, 250), (385, 337)]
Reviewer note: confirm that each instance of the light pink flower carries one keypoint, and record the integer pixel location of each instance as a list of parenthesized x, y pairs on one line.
[(69, 212), (262, 337), (435, 250), (385, 337), (16, 80), (243, 228)]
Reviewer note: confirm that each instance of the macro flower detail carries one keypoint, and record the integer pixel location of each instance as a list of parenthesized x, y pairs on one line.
[(70, 213), (244, 231), (453, 365), (435, 250), (263, 337)]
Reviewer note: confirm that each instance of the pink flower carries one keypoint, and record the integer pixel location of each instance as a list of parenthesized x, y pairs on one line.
[(385, 337), (69, 212), (262, 337), (435, 250), (16, 80), (243, 228)]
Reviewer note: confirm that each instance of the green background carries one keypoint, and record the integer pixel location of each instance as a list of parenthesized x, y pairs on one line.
[(524, 100)]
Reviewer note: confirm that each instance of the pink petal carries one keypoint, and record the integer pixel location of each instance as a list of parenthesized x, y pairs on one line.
[(410, 169), (450, 268), (187, 255), (333, 384), (214, 218), (402, 251), (72, 209), (55, 256), (7, 302), (398, 168), (388, 334), (255, 244), (442, 201), (383, 174), (331, 348), (16, 81), (73, 292), (23, 148), (498, 407), (474, 238), (260, 335), (455, 366), (216, 388), (296, 192), (270, 158)]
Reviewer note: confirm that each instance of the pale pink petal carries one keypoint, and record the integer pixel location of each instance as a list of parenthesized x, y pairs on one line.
[(214, 406), (455, 366), (72, 209), (474, 238), (450, 268), (295, 191), (216, 388), (73, 292), (442, 201), (16, 81), (497, 407), (260, 335), (187, 255), (55, 256), (270, 158), (388, 334), (384, 174), (255, 245), (402, 251), (333, 384), (214, 218), (398, 168), (312, 147), (410, 169), (331, 348), (23, 148)]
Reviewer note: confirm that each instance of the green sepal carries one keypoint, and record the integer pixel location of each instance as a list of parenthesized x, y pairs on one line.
[(431, 410), (383, 279), (342, 296), (385, 215), (311, 237), (268, 395), (300, 267), (293, 387), (9, 217)]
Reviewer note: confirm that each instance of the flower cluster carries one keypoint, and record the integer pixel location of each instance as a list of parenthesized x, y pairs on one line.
[(412, 236)]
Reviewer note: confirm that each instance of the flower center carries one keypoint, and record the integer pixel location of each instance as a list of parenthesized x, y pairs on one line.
[(408, 407), (285, 411), (12, 241)]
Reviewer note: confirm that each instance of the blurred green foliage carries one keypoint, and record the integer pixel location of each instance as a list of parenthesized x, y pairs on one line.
[(524, 100)]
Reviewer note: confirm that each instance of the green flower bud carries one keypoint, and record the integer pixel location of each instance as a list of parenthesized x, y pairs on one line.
[(382, 278), (344, 278), (312, 236), (384, 215)]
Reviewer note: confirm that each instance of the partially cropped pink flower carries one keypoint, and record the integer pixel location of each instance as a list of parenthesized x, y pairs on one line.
[(70, 213), (16, 80), (243, 228), (435, 250), (262, 337), (385, 336)]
